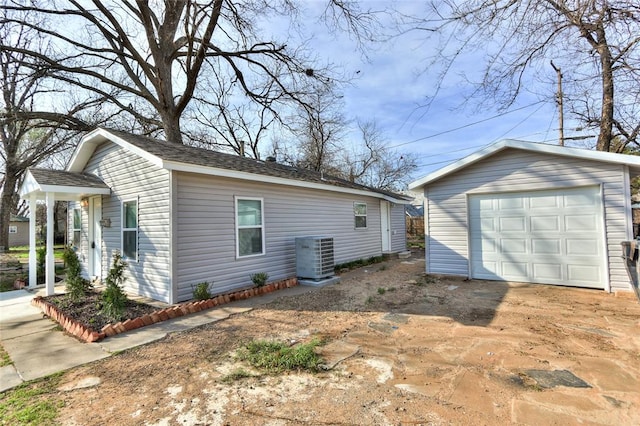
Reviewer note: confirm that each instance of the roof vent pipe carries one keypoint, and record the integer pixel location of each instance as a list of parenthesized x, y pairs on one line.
[(271, 159)]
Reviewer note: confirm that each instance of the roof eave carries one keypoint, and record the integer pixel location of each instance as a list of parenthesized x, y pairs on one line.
[(235, 174), (606, 157)]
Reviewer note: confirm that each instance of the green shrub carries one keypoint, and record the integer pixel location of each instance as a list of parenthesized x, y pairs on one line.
[(358, 263), (77, 287), (201, 291), (260, 278), (41, 258), (381, 290), (276, 357), (114, 298)]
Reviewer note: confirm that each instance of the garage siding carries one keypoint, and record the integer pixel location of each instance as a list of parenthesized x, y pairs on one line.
[(514, 170)]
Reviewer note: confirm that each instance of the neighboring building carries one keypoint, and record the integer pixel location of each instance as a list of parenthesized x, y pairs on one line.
[(18, 231), (182, 215), (529, 212)]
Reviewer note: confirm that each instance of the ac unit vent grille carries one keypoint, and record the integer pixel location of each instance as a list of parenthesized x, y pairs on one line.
[(314, 257)]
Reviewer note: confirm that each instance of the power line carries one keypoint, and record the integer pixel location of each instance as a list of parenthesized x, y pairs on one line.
[(466, 125)]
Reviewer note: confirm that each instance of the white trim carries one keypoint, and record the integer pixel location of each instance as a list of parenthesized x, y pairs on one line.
[(385, 226), (123, 229), (628, 216), (366, 213), (605, 240), (585, 154), (87, 146), (238, 198), (173, 231)]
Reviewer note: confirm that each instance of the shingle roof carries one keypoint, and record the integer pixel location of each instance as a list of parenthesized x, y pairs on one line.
[(174, 152), (64, 178)]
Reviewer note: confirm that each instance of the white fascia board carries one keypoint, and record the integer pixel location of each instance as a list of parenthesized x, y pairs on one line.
[(235, 174), (28, 186), (585, 154), (75, 189), (463, 162), (89, 143)]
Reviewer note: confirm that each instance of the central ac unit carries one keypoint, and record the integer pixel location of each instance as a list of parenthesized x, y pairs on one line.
[(314, 257)]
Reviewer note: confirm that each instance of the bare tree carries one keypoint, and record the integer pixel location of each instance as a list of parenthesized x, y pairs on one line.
[(156, 51), (228, 122), (319, 133), (596, 43), (369, 162), (30, 130)]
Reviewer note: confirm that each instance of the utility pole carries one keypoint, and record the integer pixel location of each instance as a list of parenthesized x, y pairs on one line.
[(560, 105)]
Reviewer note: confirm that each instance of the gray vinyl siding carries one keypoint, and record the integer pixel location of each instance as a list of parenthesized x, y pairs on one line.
[(398, 228), (515, 170), (132, 177), (206, 247)]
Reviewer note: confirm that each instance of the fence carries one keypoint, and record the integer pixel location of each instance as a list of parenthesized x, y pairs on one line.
[(415, 226)]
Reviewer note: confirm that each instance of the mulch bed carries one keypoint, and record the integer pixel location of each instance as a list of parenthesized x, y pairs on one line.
[(83, 318), (87, 311)]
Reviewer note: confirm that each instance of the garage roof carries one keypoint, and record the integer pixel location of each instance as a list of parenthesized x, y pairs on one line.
[(585, 154)]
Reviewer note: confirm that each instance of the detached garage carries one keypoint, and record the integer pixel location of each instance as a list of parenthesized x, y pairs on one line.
[(529, 212)]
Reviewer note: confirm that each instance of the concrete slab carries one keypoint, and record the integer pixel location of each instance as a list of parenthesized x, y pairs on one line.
[(9, 378), (41, 354), (145, 335), (320, 283), (25, 325), (16, 304)]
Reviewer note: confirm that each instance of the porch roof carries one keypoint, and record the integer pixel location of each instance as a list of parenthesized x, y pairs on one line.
[(66, 186)]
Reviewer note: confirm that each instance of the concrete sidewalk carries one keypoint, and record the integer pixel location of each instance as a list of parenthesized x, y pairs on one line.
[(38, 348)]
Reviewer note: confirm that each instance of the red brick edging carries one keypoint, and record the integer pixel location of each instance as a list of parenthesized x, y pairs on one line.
[(89, 335)]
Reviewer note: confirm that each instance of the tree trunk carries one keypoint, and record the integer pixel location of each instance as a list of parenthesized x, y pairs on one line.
[(171, 125), (6, 207), (606, 116)]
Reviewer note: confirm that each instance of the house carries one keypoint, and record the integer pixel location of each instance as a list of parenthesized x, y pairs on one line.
[(182, 215), (18, 231), (530, 212)]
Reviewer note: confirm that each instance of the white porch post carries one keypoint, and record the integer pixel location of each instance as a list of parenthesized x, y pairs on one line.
[(50, 263), (33, 262)]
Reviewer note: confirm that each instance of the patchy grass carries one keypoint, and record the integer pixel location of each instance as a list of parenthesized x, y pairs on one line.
[(33, 403), (277, 357), (4, 357), (236, 375), (22, 252)]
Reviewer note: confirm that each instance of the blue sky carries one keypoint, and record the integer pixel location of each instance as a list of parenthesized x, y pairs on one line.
[(392, 84)]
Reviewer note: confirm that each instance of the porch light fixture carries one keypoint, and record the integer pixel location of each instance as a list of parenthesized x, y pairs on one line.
[(84, 202)]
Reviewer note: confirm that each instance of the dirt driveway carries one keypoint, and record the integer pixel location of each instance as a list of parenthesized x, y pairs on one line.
[(401, 348)]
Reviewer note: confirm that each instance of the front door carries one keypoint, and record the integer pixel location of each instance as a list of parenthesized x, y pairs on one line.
[(95, 237)]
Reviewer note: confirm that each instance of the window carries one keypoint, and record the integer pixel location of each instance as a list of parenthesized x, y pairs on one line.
[(249, 227), (360, 213), (77, 226), (130, 229), (13, 229)]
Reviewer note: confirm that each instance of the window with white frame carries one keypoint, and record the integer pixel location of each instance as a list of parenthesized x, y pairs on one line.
[(130, 229), (249, 227), (77, 226), (13, 229), (360, 214)]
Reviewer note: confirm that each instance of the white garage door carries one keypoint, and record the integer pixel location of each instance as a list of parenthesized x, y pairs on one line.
[(549, 237)]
